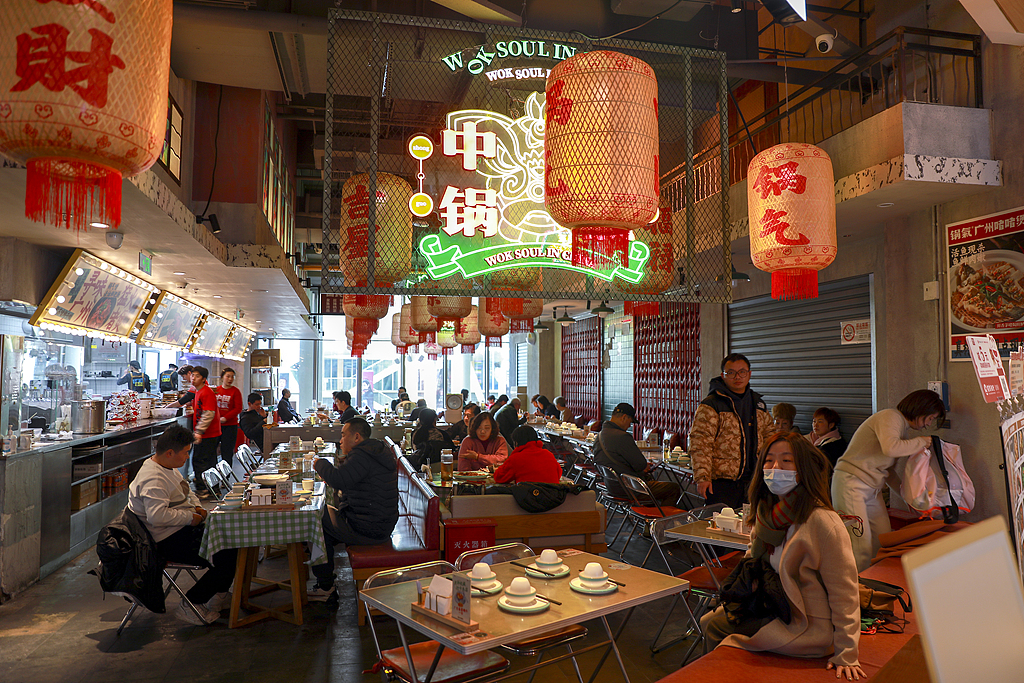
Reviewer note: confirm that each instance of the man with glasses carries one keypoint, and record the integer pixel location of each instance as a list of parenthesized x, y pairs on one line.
[(728, 429), (459, 430)]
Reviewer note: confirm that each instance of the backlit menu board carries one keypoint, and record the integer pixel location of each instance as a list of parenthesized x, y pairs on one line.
[(237, 344), (95, 298), (212, 333), (171, 324)]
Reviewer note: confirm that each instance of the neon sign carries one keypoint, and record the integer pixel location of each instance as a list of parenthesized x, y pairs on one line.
[(504, 49), (503, 224)]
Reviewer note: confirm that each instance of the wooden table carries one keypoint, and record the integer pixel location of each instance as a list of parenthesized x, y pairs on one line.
[(497, 627)]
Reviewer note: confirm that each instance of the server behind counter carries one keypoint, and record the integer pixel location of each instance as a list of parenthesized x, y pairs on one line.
[(135, 378)]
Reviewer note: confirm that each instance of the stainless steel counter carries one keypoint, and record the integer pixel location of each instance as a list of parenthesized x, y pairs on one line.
[(82, 439)]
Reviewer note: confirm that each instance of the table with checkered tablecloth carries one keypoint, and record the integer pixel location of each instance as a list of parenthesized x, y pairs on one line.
[(239, 529)]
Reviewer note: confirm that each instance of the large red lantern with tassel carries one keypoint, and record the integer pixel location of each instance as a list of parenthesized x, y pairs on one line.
[(792, 208), (366, 311), (392, 235), (467, 331), (421, 320), (601, 152), (491, 323), (521, 313), (83, 101)]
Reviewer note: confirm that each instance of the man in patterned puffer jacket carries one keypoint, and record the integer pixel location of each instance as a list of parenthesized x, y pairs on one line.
[(728, 429)]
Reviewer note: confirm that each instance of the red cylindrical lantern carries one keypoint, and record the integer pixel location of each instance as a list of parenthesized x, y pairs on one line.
[(410, 337), (467, 332), (491, 323), (84, 101), (601, 152), (792, 208), (392, 235), (432, 349), (396, 333), (448, 309), (421, 320), (366, 311), (521, 313)]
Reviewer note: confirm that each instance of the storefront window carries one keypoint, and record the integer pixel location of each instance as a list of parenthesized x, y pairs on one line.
[(499, 383), (338, 370), (466, 371), (297, 372)]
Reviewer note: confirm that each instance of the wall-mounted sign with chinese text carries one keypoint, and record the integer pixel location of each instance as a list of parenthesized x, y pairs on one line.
[(172, 324), (211, 336), (491, 204), (986, 281)]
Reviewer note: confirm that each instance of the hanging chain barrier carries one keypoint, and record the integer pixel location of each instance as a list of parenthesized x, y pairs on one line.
[(442, 122)]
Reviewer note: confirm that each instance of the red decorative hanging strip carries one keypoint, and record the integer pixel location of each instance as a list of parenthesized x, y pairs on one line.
[(521, 325), (468, 348), (794, 283), (72, 193), (641, 309), (600, 247), (494, 342), (512, 306), (493, 305), (627, 308)]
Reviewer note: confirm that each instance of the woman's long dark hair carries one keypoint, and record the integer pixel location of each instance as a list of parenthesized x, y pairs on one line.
[(478, 422), (812, 470), (427, 421)]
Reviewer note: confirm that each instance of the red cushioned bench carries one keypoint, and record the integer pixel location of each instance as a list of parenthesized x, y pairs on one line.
[(730, 664), (416, 538)]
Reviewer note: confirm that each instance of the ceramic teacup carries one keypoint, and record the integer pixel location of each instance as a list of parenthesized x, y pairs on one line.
[(593, 575), (520, 592), (549, 560), (481, 573)]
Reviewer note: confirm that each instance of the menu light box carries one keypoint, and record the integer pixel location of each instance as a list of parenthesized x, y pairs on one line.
[(96, 299), (172, 323), (237, 344), (210, 337)]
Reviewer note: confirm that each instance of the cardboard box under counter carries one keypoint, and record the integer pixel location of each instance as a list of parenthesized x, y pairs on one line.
[(85, 494)]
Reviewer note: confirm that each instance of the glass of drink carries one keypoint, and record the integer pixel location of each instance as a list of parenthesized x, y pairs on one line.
[(447, 465)]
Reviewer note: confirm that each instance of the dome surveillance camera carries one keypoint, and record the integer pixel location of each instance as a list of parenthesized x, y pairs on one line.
[(825, 42), (115, 238)]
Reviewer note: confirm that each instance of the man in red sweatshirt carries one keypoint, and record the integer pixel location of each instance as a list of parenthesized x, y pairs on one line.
[(206, 424)]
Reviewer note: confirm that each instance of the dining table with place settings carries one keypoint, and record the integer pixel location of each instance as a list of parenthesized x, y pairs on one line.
[(496, 626)]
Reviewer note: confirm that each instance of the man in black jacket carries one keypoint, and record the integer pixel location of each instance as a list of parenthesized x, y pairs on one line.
[(460, 430), (616, 449), (285, 412), (367, 481), (343, 404)]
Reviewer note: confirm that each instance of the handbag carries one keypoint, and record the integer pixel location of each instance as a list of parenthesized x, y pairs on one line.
[(880, 596), (935, 479)]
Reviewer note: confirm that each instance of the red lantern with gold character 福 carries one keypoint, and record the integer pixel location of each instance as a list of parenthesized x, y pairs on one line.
[(84, 101), (792, 208), (601, 152)]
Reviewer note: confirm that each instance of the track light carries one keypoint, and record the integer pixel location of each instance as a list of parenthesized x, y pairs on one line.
[(212, 220), (737, 6)]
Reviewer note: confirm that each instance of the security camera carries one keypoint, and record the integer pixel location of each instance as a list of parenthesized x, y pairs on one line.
[(825, 42), (115, 238)]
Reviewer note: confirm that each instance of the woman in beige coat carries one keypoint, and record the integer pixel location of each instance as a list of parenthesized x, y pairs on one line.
[(805, 541)]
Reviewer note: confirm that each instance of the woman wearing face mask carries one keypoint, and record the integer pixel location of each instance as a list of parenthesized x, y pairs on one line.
[(806, 543), (869, 460)]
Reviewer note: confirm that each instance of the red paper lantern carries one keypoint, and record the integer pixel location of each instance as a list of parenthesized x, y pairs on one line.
[(792, 208), (601, 152), (467, 332), (521, 312), (410, 337), (491, 323), (433, 350), (421, 320), (84, 101), (392, 235), (366, 311), (447, 309), (396, 333)]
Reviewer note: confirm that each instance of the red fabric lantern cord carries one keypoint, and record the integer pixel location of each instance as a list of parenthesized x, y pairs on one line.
[(600, 247), (468, 348), (794, 283), (494, 342), (521, 325), (72, 193), (510, 307)]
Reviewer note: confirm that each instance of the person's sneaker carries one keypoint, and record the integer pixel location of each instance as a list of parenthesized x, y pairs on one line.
[(185, 613), (318, 594), (219, 602)]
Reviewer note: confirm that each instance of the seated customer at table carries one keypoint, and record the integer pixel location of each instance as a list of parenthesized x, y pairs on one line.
[(615, 448), (367, 481), (508, 418), (428, 441), (530, 461), (484, 446), (343, 404), (285, 412), (460, 430), (394, 403), (564, 414), (802, 537), (825, 434), (420, 406), (162, 500), (251, 421)]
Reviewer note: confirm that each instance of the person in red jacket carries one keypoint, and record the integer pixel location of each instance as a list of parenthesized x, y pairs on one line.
[(530, 461), (229, 403), (206, 424)]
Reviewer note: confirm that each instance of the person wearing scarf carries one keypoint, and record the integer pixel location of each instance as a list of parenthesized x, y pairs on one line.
[(825, 434), (483, 446), (803, 539)]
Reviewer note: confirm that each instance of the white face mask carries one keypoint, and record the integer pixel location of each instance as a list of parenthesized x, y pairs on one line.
[(780, 482)]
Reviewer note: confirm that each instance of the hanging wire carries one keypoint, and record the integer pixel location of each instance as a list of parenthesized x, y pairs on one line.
[(616, 35)]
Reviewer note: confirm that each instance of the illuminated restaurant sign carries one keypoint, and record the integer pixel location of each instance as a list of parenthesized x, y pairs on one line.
[(172, 323), (497, 220), (485, 55), (211, 335), (95, 298)]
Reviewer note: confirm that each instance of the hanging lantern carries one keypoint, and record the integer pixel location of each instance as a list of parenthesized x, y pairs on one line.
[(432, 349), (601, 152), (521, 320), (467, 332), (661, 265), (421, 320), (392, 235), (792, 208), (517, 279), (491, 323), (84, 101), (449, 308), (410, 337), (446, 339), (366, 311), (396, 333)]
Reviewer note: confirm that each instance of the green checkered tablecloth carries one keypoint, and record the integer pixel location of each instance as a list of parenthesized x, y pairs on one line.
[(236, 529)]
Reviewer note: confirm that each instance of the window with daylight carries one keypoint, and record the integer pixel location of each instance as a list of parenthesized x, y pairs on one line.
[(170, 156)]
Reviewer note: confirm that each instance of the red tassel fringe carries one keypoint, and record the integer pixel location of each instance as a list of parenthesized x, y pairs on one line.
[(600, 247), (494, 342), (520, 325), (794, 283), (445, 351), (468, 348), (432, 356), (72, 193)]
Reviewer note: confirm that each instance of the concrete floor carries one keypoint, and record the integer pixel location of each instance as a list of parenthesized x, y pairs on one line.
[(62, 629)]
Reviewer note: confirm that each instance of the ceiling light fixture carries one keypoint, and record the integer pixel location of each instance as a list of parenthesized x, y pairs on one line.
[(886, 205), (737, 6), (179, 272), (212, 220), (565, 320), (98, 225), (602, 311), (539, 326), (737, 277)]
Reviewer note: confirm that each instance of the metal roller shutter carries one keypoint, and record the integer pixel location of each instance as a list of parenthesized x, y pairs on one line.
[(796, 355)]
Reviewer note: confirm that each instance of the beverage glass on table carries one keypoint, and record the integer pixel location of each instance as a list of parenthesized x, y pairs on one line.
[(307, 475), (447, 465)]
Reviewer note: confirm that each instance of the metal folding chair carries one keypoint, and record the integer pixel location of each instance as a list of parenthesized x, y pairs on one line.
[(615, 503), (539, 644), (226, 472), (401, 663), (645, 508), (215, 483), (177, 568)]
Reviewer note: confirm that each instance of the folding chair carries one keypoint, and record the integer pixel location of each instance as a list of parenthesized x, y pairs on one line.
[(615, 502), (215, 483), (177, 568), (226, 472), (539, 644), (645, 508), (443, 665)]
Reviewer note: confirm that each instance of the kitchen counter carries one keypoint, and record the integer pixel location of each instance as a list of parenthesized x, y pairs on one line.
[(83, 439)]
